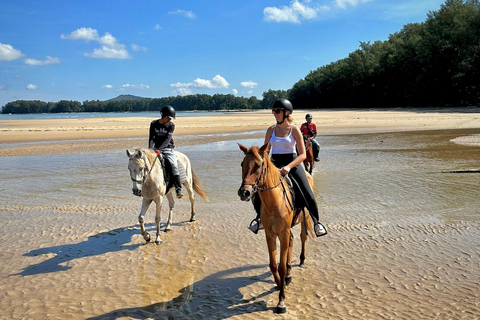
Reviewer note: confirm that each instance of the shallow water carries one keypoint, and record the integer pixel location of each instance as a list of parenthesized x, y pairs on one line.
[(403, 240)]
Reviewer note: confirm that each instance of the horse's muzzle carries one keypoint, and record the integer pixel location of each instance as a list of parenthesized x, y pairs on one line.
[(244, 194), (137, 192)]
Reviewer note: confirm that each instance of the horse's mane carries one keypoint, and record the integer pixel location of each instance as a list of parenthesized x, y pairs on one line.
[(273, 176), (149, 153)]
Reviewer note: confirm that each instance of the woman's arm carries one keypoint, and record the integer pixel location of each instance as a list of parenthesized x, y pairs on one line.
[(268, 135)]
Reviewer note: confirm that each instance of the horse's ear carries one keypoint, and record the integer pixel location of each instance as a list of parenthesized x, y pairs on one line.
[(243, 148), (139, 153), (265, 149), (129, 154)]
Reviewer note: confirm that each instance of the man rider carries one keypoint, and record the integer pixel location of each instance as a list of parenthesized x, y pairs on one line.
[(161, 139), (309, 129)]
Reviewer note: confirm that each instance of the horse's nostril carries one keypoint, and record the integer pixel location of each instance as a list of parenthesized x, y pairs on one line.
[(242, 193)]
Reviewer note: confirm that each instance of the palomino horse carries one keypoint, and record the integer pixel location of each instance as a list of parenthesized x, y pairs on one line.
[(146, 173), (260, 175), (309, 161)]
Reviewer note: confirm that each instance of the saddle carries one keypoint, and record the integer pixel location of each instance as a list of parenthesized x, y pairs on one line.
[(168, 173)]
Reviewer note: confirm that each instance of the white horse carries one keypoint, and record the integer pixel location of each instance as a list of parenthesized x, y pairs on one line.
[(146, 173)]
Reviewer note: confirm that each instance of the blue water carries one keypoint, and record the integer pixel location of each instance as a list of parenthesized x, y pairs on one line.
[(82, 115)]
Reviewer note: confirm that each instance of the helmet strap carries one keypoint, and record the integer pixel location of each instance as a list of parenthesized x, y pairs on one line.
[(284, 117)]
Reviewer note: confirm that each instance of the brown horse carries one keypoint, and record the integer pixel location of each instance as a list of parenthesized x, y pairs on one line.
[(309, 160), (260, 175)]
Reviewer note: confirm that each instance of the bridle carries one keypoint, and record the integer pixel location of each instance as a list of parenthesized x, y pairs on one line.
[(256, 186), (146, 171)]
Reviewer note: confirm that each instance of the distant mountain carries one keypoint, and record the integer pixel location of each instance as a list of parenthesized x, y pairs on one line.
[(126, 97)]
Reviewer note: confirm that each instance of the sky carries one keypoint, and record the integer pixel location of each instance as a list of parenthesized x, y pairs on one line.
[(97, 49)]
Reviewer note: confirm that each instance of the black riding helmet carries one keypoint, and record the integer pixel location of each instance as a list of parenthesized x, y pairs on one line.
[(308, 116), (168, 111), (285, 105)]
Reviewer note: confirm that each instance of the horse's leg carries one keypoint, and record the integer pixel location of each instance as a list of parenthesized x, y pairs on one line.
[(191, 196), (282, 269), (272, 252), (141, 218), (288, 277), (158, 202), (171, 205)]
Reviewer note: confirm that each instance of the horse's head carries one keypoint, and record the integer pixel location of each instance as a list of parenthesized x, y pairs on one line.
[(138, 167), (252, 165)]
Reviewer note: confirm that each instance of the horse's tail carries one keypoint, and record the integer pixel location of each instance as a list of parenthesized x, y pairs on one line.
[(198, 187)]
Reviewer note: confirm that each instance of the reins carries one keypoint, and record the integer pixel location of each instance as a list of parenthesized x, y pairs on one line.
[(257, 188), (147, 171)]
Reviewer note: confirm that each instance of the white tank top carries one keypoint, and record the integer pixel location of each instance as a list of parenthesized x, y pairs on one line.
[(282, 145)]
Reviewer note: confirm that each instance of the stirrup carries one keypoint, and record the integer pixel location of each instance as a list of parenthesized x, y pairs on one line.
[(254, 226), (320, 230)]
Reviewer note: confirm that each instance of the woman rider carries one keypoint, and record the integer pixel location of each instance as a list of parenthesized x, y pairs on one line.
[(161, 139), (285, 138)]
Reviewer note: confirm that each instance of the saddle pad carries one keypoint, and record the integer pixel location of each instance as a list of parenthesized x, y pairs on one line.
[(182, 171)]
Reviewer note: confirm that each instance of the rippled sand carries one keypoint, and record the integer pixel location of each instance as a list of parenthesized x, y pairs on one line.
[(403, 238)]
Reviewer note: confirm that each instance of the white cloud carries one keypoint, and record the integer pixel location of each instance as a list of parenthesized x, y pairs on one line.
[(9, 53), (181, 92), (105, 52), (294, 13), (110, 47), (343, 3), (136, 86), (139, 48), (107, 86), (248, 84), (31, 86), (234, 92), (35, 62), (217, 82), (187, 14), (158, 27)]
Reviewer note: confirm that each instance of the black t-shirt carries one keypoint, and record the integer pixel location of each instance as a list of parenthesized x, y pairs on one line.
[(161, 135)]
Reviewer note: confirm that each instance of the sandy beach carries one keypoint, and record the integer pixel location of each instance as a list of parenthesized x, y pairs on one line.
[(398, 191)]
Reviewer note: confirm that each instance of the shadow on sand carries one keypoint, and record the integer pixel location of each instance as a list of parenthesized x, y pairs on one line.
[(109, 241), (215, 297)]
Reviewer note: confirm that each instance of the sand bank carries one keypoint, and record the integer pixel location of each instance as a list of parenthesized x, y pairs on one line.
[(111, 132), (328, 122)]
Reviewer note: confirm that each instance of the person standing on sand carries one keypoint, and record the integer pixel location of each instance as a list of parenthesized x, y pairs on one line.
[(285, 138), (309, 130), (161, 140)]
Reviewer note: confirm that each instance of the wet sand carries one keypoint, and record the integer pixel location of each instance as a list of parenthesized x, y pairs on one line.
[(403, 238)]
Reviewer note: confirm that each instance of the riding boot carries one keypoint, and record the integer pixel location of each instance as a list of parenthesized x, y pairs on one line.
[(178, 186), (256, 224), (316, 150)]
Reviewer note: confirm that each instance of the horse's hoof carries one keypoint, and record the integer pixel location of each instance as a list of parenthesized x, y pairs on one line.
[(168, 229), (147, 237), (288, 280), (158, 241), (192, 219), (281, 309)]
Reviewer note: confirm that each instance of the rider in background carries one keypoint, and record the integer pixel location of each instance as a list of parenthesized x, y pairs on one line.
[(285, 138), (161, 139), (309, 130)]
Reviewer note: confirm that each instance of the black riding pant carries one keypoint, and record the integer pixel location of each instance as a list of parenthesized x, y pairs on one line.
[(303, 192)]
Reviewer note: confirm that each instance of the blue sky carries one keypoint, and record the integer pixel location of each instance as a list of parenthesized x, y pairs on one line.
[(96, 50)]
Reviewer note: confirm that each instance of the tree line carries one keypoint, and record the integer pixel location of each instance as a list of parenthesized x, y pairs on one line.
[(433, 63), (200, 102)]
